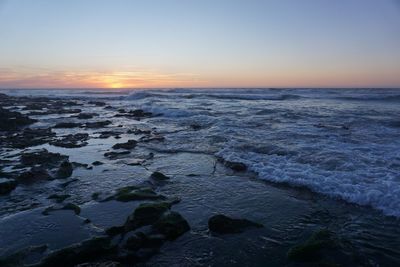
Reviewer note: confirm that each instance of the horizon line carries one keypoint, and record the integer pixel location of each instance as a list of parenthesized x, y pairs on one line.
[(208, 87)]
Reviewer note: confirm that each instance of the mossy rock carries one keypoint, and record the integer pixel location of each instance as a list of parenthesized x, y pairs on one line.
[(222, 224), (172, 225), (310, 250)]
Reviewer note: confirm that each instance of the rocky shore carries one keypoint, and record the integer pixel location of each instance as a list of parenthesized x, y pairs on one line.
[(87, 163)]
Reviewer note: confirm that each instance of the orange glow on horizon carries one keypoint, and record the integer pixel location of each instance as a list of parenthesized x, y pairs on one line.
[(28, 78), (91, 79)]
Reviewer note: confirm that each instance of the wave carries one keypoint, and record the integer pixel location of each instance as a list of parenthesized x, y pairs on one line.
[(240, 95), (380, 191), (388, 98)]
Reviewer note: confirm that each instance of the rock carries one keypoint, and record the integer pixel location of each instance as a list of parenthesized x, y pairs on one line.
[(97, 103), (11, 120), (7, 185), (59, 198), (141, 240), (28, 137), (138, 131), (42, 157), (149, 213), (172, 225), (195, 127), (114, 155), (140, 113), (90, 250), (72, 140), (100, 264), (312, 248), (236, 166), (85, 116), (222, 224), (158, 176), (95, 195), (65, 170), (17, 258), (33, 175), (153, 137), (97, 124), (67, 125), (73, 207), (107, 134), (130, 144), (131, 193), (97, 163), (68, 206)]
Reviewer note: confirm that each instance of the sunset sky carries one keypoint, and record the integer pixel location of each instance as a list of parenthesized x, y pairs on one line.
[(188, 43)]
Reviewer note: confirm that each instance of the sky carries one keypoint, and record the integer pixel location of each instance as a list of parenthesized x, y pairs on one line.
[(199, 43)]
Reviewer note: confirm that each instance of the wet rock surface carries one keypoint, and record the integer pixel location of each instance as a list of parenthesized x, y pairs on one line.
[(7, 185), (222, 224)]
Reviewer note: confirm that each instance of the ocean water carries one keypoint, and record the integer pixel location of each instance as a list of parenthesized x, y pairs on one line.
[(343, 143)]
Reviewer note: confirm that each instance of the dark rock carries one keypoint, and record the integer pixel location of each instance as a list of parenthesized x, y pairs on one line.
[(90, 250), (140, 113), (172, 225), (100, 264), (151, 138), (42, 157), (28, 137), (130, 144), (141, 240), (149, 213), (138, 131), (236, 166), (311, 250), (97, 124), (72, 140), (11, 120), (222, 224), (97, 163), (68, 206), (129, 193), (97, 103), (95, 195), (195, 127), (107, 134), (33, 175), (7, 185), (67, 125), (65, 170), (158, 176), (114, 155), (59, 198), (85, 116)]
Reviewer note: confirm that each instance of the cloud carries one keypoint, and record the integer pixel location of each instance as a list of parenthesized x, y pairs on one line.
[(23, 77)]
